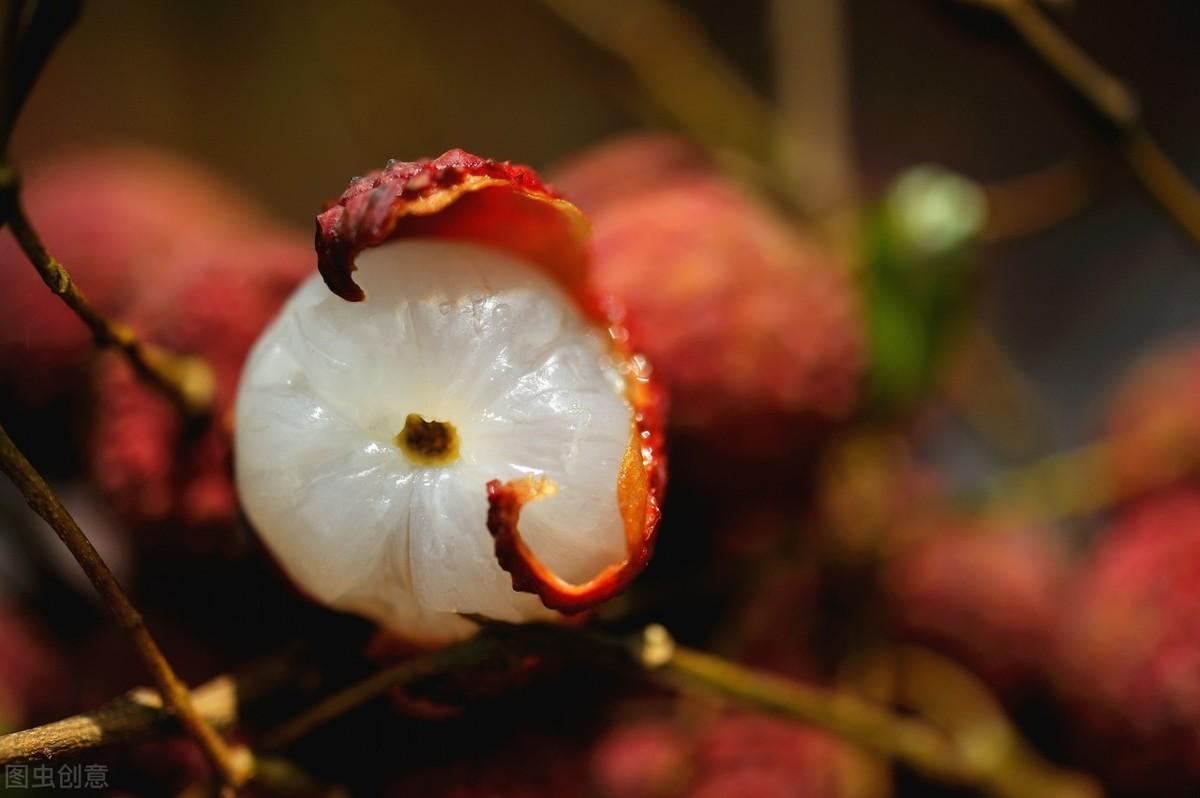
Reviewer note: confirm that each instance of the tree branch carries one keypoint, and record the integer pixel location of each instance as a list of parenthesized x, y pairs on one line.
[(1011, 771), (994, 759), (483, 649), (42, 500), (140, 715), (1163, 179), (186, 380), (812, 85)]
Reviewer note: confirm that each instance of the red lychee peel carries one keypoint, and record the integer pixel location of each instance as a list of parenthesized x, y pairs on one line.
[(437, 198)]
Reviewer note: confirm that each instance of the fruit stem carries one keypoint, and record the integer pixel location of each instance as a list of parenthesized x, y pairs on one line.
[(1113, 100), (187, 380), (42, 500)]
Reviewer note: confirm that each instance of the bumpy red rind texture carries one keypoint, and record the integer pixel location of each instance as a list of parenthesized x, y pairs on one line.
[(457, 196), (462, 197), (755, 329)]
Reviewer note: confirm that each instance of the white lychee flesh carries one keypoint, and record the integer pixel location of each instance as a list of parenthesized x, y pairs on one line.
[(458, 334)]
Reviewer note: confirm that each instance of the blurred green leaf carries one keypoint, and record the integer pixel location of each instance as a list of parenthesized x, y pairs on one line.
[(919, 253)]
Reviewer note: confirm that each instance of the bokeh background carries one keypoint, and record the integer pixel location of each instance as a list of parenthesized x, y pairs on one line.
[(1076, 275), (287, 98)]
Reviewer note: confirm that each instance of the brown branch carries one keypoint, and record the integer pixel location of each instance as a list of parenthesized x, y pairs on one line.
[(187, 380), (687, 82), (42, 500), (816, 150), (32, 31), (924, 746), (1162, 178), (479, 650), (683, 74), (1005, 767), (1010, 772), (140, 715)]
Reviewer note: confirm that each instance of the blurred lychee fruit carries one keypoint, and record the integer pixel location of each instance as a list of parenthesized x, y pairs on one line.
[(524, 763), (987, 592), (114, 218), (753, 328), (164, 474), (738, 754), (1130, 648), (1153, 423), (32, 677)]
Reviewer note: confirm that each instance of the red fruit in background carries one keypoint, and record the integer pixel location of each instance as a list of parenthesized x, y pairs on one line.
[(753, 328), (1153, 422), (33, 681), (527, 763), (161, 472), (736, 755), (1130, 648), (114, 218), (988, 593), (604, 175)]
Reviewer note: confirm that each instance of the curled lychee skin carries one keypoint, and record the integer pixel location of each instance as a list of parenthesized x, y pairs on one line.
[(167, 476), (755, 329), (450, 405), (117, 219), (1130, 648)]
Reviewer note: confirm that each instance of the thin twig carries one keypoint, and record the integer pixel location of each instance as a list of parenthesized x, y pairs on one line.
[(479, 650), (139, 714), (688, 83), (42, 500), (812, 86), (187, 380), (683, 74), (947, 754), (1116, 102), (914, 741)]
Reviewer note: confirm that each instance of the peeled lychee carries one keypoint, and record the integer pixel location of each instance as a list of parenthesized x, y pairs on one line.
[(754, 329), (442, 423)]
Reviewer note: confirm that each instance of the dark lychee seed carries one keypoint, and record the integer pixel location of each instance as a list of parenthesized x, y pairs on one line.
[(428, 443)]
